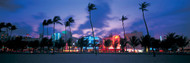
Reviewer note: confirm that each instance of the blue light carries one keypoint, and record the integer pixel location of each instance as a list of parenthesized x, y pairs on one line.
[(150, 48), (57, 36), (89, 47)]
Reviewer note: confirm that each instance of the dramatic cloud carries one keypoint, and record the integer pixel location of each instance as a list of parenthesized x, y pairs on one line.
[(163, 16)]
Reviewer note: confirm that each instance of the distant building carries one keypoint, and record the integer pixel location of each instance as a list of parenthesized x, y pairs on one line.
[(187, 48), (115, 41), (138, 35), (134, 33)]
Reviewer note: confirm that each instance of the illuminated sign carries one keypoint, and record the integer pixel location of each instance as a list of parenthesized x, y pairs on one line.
[(57, 36)]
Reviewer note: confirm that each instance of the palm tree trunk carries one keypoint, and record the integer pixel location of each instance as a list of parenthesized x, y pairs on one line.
[(123, 29), (65, 36), (47, 30), (145, 23), (70, 31), (43, 32), (62, 49), (92, 31), (115, 50), (69, 49), (124, 33)]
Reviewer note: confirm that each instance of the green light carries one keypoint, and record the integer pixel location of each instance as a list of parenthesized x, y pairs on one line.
[(64, 32)]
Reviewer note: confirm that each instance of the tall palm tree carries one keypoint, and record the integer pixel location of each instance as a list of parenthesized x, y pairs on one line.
[(134, 41), (90, 8), (56, 19), (143, 7), (146, 42), (182, 42), (13, 27), (123, 19), (2, 25), (44, 24), (71, 20), (123, 44)]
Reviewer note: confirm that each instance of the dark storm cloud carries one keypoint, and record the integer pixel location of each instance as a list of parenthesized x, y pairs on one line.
[(39, 15), (99, 16), (9, 5)]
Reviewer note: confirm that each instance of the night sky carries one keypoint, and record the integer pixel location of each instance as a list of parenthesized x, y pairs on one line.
[(163, 16)]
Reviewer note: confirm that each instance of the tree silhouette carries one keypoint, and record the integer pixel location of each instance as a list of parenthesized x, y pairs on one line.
[(146, 42), (170, 42), (123, 19), (34, 44), (115, 45), (123, 43), (2, 25), (143, 7), (69, 42), (43, 43), (182, 42), (90, 8), (134, 41), (107, 43), (62, 43), (156, 44), (56, 19), (82, 43), (71, 20), (49, 44)]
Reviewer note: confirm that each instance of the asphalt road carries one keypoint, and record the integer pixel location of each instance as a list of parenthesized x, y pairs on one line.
[(92, 58)]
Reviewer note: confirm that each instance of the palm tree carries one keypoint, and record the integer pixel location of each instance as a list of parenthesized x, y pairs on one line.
[(2, 25), (123, 19), (107, 44), (71, 20), (82, 43), (134, 41), (56, 20), (123, 44), (69, 42), (43, 43), (44, 24), (13, 27), (90, 8), (146, 42), (182, 42), (143, 7)]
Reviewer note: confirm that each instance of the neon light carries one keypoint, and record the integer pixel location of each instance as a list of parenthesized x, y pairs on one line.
[(160, 38), (64, 32)]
